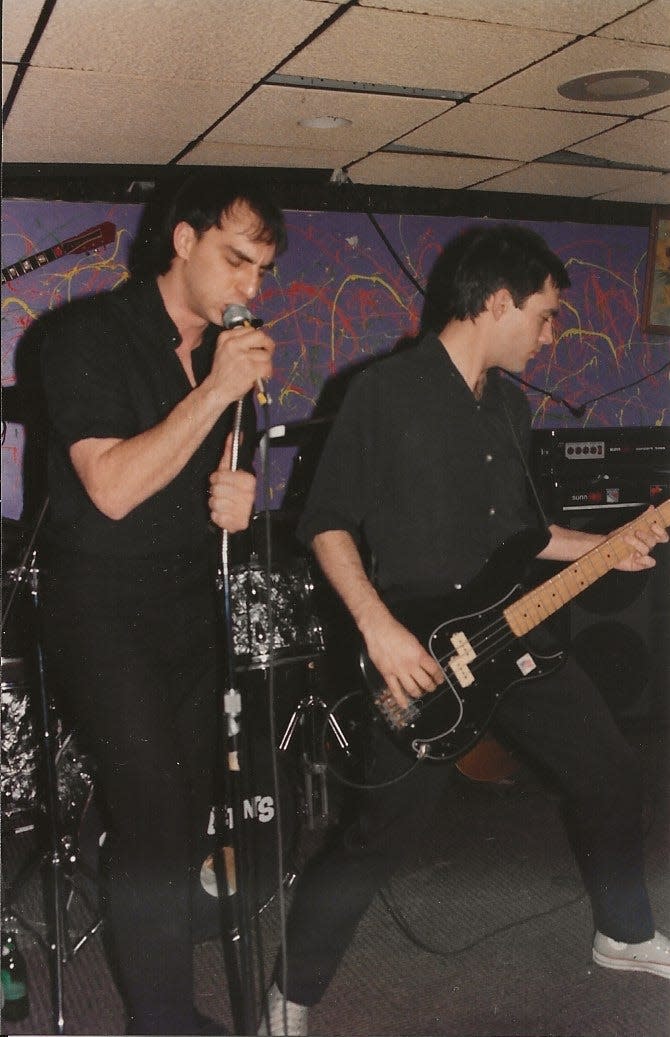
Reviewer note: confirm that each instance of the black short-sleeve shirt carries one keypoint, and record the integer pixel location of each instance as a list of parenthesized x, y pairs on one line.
[(110, 370), (428, 478)]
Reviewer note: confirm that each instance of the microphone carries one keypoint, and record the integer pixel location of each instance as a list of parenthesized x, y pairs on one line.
[(238, 316)]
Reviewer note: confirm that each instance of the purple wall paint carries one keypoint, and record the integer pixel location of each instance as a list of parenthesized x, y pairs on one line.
[(339, 297)]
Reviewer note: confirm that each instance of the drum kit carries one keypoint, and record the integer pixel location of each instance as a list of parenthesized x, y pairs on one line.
[(277, 622)]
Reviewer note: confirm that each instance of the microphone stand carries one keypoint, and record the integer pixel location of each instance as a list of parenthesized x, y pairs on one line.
[(236, 851)]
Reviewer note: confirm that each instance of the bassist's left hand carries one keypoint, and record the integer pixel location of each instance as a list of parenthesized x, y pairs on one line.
[(641, 543)]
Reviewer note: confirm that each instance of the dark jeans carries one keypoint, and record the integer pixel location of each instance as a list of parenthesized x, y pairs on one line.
[(561, 723), (131, 653)]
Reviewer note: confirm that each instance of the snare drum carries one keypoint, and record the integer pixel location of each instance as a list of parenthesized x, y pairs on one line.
[(261, 816), (296, 631)]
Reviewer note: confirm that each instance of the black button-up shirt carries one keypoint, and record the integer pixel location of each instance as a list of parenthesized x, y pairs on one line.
[(110, 371), (425, 476)]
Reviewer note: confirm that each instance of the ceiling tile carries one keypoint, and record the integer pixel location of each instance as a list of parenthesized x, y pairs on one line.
[(370, 46), (208, 153), (638, 141), (514, 133), (8, 72), (109, 149), (173, 39), (559, 15), (445, 173), (646, 189), (538, 86), (18, 22), (68, 106), (566, 181), (272, 114), (649, 24)]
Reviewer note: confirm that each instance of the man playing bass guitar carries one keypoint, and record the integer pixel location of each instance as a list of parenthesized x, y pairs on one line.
[(423, 474)]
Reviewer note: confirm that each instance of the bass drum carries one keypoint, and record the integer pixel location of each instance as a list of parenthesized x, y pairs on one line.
[(264, 811)]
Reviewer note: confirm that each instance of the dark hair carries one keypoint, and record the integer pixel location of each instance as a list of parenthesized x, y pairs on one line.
[(481, 260), (202, 200)]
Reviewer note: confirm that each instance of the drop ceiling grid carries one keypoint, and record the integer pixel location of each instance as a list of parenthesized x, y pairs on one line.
[(443, 172), (641, 143), (373, 46), (567, 181), (74, 109), (507, 132), (273, 113), (282, 156), (538, 86), (650, 23), (575, 18), (231, 41)]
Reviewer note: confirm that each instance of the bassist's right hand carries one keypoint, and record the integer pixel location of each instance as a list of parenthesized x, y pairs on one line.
[(408, 670)]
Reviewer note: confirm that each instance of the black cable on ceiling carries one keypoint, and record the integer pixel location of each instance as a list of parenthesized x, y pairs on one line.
[(576, 410), (24, 62)]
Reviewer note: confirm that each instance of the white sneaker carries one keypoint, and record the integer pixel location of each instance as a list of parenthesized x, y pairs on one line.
[(651, 956), (272, 1021)]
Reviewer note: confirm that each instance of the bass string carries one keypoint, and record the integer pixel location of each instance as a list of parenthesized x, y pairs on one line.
[(493, 636)]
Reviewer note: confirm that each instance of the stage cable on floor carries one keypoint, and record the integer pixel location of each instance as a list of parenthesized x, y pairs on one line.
[(405, 926)]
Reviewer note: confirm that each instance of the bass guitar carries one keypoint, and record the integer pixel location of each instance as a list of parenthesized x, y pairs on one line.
[(88, 241), (482, 651)]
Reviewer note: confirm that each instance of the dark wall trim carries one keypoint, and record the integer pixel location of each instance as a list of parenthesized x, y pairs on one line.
[(311, 189)]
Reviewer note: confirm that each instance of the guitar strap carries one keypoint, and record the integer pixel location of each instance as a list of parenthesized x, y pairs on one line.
[(529, 476)]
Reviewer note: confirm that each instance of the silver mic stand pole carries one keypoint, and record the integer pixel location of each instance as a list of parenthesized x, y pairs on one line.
[(235, 853)]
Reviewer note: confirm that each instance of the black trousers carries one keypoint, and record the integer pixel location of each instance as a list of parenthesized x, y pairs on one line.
[(561, 723), (132, 654)]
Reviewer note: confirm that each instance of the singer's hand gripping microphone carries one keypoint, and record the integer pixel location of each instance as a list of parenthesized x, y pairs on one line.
[(238, 316)]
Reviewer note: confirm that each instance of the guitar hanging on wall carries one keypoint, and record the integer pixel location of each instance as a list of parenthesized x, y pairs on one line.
[(90, 240), (482, 651)]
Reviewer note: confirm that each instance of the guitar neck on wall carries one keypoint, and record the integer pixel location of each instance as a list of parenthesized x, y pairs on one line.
[(90, 240)]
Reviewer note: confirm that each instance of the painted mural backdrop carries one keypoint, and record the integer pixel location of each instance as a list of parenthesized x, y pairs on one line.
[(339, 297)]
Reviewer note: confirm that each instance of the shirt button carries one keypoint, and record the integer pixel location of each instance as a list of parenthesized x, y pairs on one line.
[(458, 586), (492, 512), (488, 458)]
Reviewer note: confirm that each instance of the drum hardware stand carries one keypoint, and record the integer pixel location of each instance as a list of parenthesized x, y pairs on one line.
[(313, 712), (61, 855)]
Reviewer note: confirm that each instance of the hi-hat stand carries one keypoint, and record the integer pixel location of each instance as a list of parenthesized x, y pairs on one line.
[(309, 718), (61, 856)]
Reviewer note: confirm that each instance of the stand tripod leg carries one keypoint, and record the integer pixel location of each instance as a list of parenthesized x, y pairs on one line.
[(58, 937), (310, 717)]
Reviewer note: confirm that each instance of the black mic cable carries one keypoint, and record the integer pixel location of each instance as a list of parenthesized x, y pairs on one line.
[(578, 410)]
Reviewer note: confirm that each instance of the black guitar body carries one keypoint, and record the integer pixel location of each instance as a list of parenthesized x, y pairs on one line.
[(479, 654)]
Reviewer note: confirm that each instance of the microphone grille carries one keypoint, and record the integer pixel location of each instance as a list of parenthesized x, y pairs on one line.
[(236, 315)]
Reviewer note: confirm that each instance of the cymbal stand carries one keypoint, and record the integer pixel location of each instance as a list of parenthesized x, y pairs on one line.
[(62, 853), (309, 717)]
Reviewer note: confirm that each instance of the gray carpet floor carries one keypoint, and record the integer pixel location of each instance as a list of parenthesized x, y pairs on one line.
[(485, 932)]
